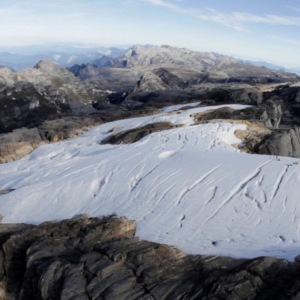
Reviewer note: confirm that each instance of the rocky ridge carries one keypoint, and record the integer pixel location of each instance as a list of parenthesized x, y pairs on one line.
[(210, 67), (49, 94), (54, 83), (117, 79), (85, 258), (23, 141), (55, 121)]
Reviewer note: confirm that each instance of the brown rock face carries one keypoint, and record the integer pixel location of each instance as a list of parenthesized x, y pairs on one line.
[(101, 259), (23, 141), (19, 143)]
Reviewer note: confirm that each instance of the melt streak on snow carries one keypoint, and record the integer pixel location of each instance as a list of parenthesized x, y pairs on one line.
[(186, 187)]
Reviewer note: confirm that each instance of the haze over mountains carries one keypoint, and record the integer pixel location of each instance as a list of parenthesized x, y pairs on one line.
[(18, 58), (65, 55), (270, 65), (191, 66), (217, 66)]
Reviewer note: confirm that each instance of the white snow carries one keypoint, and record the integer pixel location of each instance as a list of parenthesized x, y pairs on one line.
[(186, 187)]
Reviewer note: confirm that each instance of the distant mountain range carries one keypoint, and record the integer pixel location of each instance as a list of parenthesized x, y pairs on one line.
[(167, 55), (270, 66), (1, 66), (189, 65), (18, 58), (66, 56)]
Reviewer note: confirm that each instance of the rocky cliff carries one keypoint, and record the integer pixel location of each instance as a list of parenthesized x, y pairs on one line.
[(101, 258)]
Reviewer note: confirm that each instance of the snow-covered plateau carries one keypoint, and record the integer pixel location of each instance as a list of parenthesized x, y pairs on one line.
[(187, 187)]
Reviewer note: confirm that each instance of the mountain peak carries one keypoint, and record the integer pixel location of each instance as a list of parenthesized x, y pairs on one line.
[(47, 65)]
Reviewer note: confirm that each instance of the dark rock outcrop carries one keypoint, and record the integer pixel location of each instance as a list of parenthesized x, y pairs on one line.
[(136, 134), (218, 95), (234, 95), (149, 82), (284, 142), (119, 80), (267, 114), (173, 81), (3, 192), (21, 105), (101, 259), (263, 134), (104, 61), (56, 84), (289, 98), (76, 69)]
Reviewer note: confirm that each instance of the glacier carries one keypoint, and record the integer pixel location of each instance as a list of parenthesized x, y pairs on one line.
[(187, 187)]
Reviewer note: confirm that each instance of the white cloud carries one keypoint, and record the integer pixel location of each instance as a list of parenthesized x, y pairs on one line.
[(238, 20), (297, 9), (289, 41), (172, 6), (266, 19), (235, 20), (223, 19), (162, 3), (10, 11)]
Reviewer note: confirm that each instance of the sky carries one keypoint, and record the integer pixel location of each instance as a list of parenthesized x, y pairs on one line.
[(267, 30)]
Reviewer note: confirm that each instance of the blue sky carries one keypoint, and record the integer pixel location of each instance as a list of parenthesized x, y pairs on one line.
[(253, 29)]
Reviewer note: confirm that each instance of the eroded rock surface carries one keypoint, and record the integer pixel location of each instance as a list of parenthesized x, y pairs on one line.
[(101, 259)]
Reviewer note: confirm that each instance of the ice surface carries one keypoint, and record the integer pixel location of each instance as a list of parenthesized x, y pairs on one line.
[(186, 187)]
